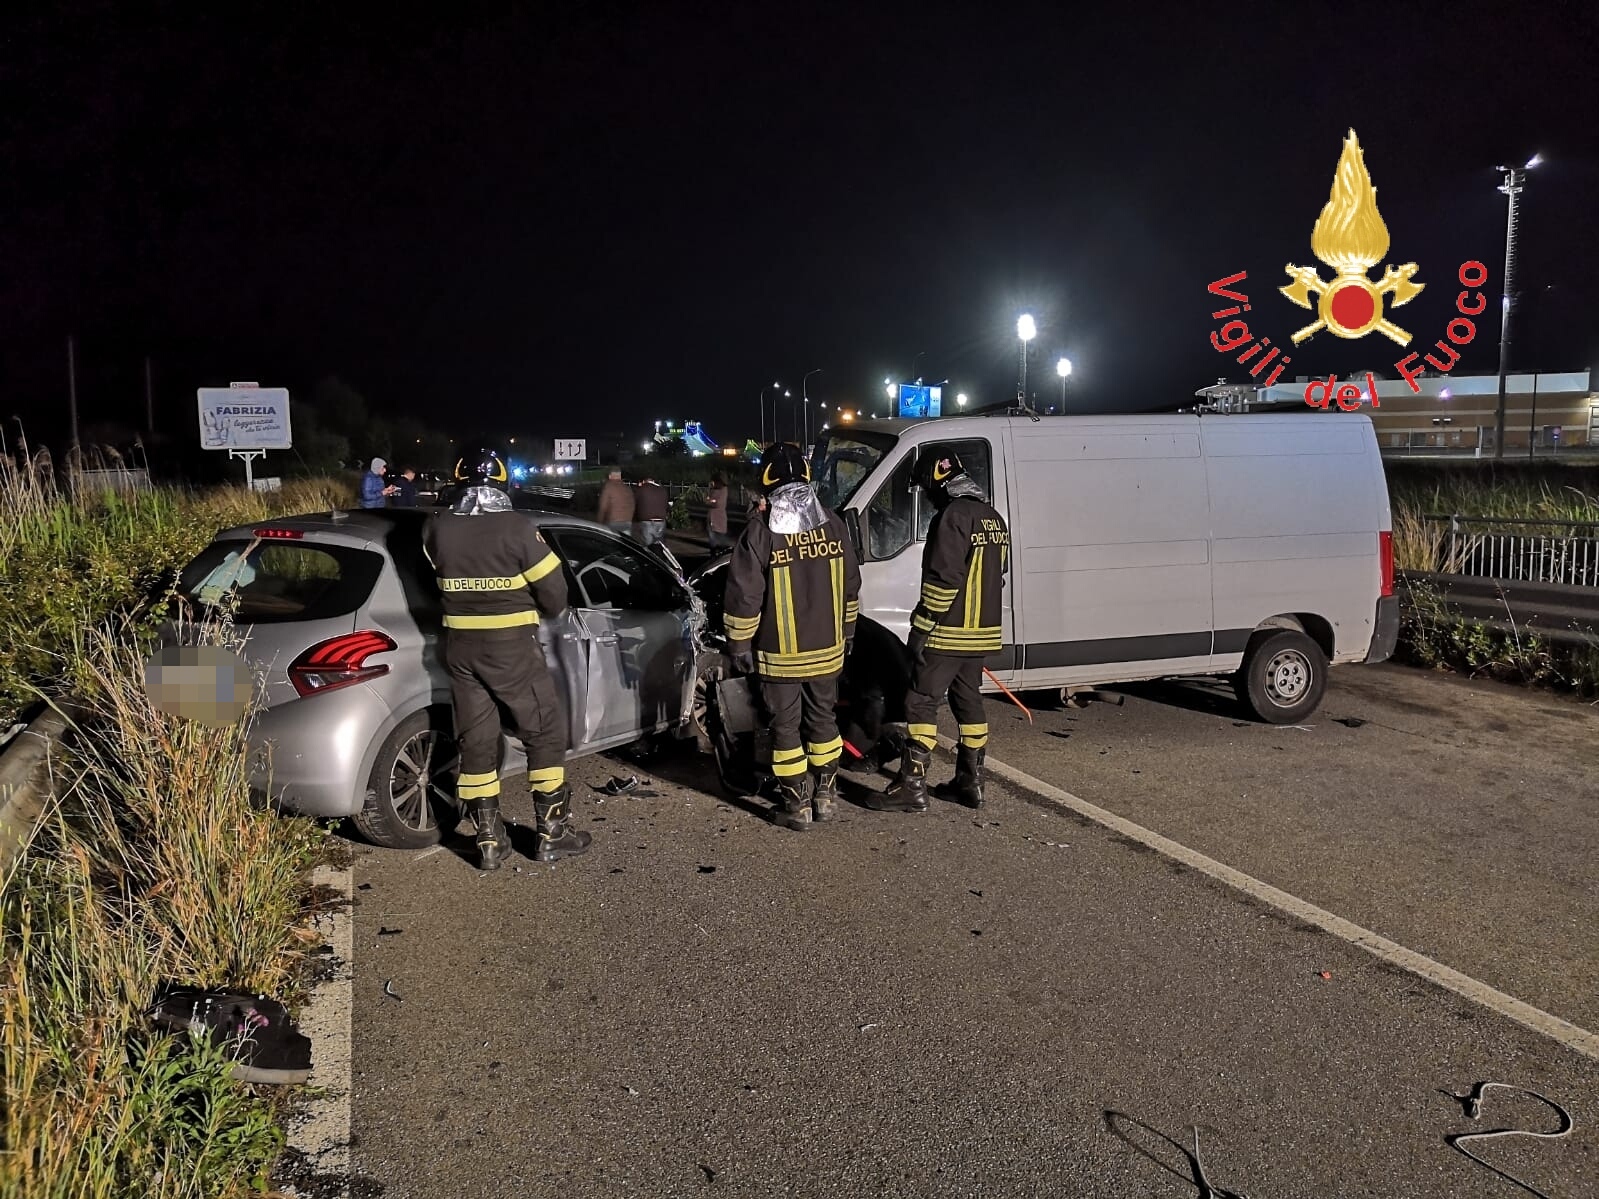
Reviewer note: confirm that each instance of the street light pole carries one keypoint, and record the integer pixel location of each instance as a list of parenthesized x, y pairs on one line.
[(1515, 180), (805, 398), (1063, 368), (1026, 330)]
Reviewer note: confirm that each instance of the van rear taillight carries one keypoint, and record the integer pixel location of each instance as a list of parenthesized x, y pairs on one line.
[(339, 662), (1385, 554), (278, 534)]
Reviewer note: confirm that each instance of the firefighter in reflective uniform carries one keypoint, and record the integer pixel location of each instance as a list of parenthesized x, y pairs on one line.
[(793, 591), (496, 576), (954, 626)]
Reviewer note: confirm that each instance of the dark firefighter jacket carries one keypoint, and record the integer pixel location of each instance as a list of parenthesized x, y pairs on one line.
[(795, 595), (963, 574), (495, 572)]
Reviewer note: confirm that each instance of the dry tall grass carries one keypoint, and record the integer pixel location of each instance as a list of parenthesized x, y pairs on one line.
[(154, 867), (71, 562)]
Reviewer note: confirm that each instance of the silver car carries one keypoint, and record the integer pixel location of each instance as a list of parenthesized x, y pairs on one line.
[(342, 620)]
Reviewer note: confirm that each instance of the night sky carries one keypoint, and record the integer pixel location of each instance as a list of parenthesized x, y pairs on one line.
[(587, 217)]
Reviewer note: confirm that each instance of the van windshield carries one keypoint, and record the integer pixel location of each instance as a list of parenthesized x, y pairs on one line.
[(843, 459)]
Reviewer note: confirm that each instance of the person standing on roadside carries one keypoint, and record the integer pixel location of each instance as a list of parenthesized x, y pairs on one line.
[(405, 489), (792, 597), (716, 516), (374, 488), (955, 625), (497, 576), (651, 511), (616, 503)]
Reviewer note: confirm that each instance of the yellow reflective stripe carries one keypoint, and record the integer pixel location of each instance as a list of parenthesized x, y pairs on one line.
[(809, 670), (809, 655), (837, 567), (787, 754), (479, 785), (822, 747), (784, 770), (827, 757), (541, 568), (787, 626), (484, 583), (923, 734), (741, 628), (852, 610), (974, 595), (974, 730), (951, 633), (974, 742), (506, 620), (923, 624), (546, 785), (933, 589)]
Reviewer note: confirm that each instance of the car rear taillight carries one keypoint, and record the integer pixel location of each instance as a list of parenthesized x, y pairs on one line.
[(278, 534), (339, 662), (1385, 555)]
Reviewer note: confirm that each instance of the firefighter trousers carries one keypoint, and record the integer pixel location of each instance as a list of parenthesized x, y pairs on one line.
[(960, 678), (493, 673), (797, 705)]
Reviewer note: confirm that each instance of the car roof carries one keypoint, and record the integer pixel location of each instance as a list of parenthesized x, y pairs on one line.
[(373, 526)]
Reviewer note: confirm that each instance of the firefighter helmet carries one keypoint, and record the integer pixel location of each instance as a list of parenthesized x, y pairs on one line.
[(482, 468), (934, 470), (783, 463)]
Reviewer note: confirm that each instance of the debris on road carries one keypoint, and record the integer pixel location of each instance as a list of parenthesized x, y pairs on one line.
[(866, 1028), (1326, 973), (630, 1090), (1349, 722), (617, 785), (364, 887), (1472, 1102), (390, 932), (388, 989), (707, 869)]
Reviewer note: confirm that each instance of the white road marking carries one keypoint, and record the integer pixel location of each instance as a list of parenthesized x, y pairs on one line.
[(1540, 1021), (322, 1131)]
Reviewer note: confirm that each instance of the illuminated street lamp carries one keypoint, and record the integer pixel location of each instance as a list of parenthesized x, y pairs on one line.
[(1063, 368), (1026, 330), (761, 400), (960, 400), (1515, 179)]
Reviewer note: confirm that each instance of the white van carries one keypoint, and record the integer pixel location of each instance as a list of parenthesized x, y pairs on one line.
[(1255, 546)]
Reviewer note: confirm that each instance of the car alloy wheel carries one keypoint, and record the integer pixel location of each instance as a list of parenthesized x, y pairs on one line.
[(424, 771)]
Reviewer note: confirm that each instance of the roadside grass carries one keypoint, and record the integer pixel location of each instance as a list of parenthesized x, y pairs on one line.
[(153, 866), (1545, 492), (70, 562)]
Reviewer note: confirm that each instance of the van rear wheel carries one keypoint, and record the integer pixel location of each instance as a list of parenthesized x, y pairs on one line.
[(1283, 677)]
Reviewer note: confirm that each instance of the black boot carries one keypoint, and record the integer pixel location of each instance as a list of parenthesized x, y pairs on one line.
[(908, 793), (493, 842), (557, 838), (967, 785), (793, 808), (824, 800)]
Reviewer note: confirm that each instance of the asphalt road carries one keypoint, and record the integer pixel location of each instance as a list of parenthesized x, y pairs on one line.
[(1014, 1001)]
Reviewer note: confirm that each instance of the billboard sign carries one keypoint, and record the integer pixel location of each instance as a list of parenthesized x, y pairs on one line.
[(916, 402), (244, 418)]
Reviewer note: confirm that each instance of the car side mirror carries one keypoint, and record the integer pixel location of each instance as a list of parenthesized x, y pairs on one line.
[(852, 522)]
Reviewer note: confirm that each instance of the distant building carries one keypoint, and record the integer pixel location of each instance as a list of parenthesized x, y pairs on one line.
[(1452, 414)]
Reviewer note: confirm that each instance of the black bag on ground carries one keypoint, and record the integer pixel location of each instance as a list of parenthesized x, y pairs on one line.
[(253, 1029)]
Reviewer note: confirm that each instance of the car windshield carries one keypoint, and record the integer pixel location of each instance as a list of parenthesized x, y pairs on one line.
[(842, 460), (281, 580)]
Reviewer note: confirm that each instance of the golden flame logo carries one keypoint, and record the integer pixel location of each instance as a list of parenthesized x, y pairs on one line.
[(1351, 238)]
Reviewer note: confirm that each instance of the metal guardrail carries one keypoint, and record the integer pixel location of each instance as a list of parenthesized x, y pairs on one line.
[(1556, 612), (1535, 551)]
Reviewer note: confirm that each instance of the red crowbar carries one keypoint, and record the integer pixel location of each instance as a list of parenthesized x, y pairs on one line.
[(1008, 694)]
